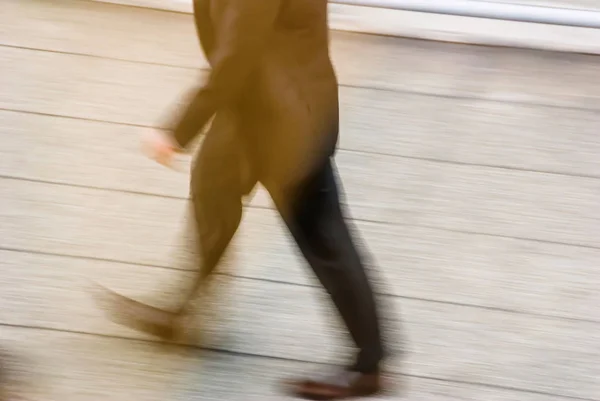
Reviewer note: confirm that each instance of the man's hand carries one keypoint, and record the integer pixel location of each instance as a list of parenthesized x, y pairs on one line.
[(161, 147)]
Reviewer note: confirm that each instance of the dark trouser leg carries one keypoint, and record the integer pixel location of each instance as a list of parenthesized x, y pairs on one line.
[(316, 221)]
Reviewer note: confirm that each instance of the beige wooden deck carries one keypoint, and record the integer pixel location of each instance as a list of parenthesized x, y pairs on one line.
[(472, 173)]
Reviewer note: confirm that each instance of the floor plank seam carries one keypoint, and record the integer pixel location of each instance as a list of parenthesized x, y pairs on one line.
[(341, 148), (313, 286), (95, 56), (440, 95), (294, 360), (354, 219), (136, 7), (157, 342), (499, 387)]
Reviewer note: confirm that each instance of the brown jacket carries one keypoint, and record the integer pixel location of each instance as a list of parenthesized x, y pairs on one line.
[(271, 79)]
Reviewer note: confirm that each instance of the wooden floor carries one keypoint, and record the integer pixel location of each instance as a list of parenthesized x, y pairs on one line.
[(472, 173)]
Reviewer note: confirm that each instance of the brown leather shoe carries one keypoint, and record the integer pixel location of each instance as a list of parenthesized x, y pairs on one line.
[(345, 384), (137, 315)]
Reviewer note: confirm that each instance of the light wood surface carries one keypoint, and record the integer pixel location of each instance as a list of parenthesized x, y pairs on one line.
[(471, 175)]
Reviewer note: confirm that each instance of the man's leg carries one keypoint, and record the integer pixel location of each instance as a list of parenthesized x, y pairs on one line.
[(218, 184), (220, 179), (316, 221)]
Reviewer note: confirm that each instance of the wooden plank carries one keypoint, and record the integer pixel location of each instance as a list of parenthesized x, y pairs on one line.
[(446, 342), (539, 138), (108, 155), (361, 60), (414, 262), (559, 140), (499, 202), (72, 367), (132, 93), (517, 204), (526, 76), (386, 184), (496, 134), (442, 265), (91, 88), (75, 367), (85, 153), (128, 93), (86, 222), (75, 26), (381, 188)]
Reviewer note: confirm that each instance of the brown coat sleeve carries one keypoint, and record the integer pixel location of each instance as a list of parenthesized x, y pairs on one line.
[(240, 36), (204, 26)]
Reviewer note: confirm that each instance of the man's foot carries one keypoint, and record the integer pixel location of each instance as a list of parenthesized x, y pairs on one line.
[(345, 384), (138, 316)]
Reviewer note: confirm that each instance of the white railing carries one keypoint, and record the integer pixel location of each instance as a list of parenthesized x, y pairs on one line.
[(489, 10)]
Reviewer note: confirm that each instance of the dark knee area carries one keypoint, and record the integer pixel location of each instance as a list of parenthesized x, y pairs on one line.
[(313, 210)]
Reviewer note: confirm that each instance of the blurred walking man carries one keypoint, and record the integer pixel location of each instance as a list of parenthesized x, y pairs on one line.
[(273, 93)]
